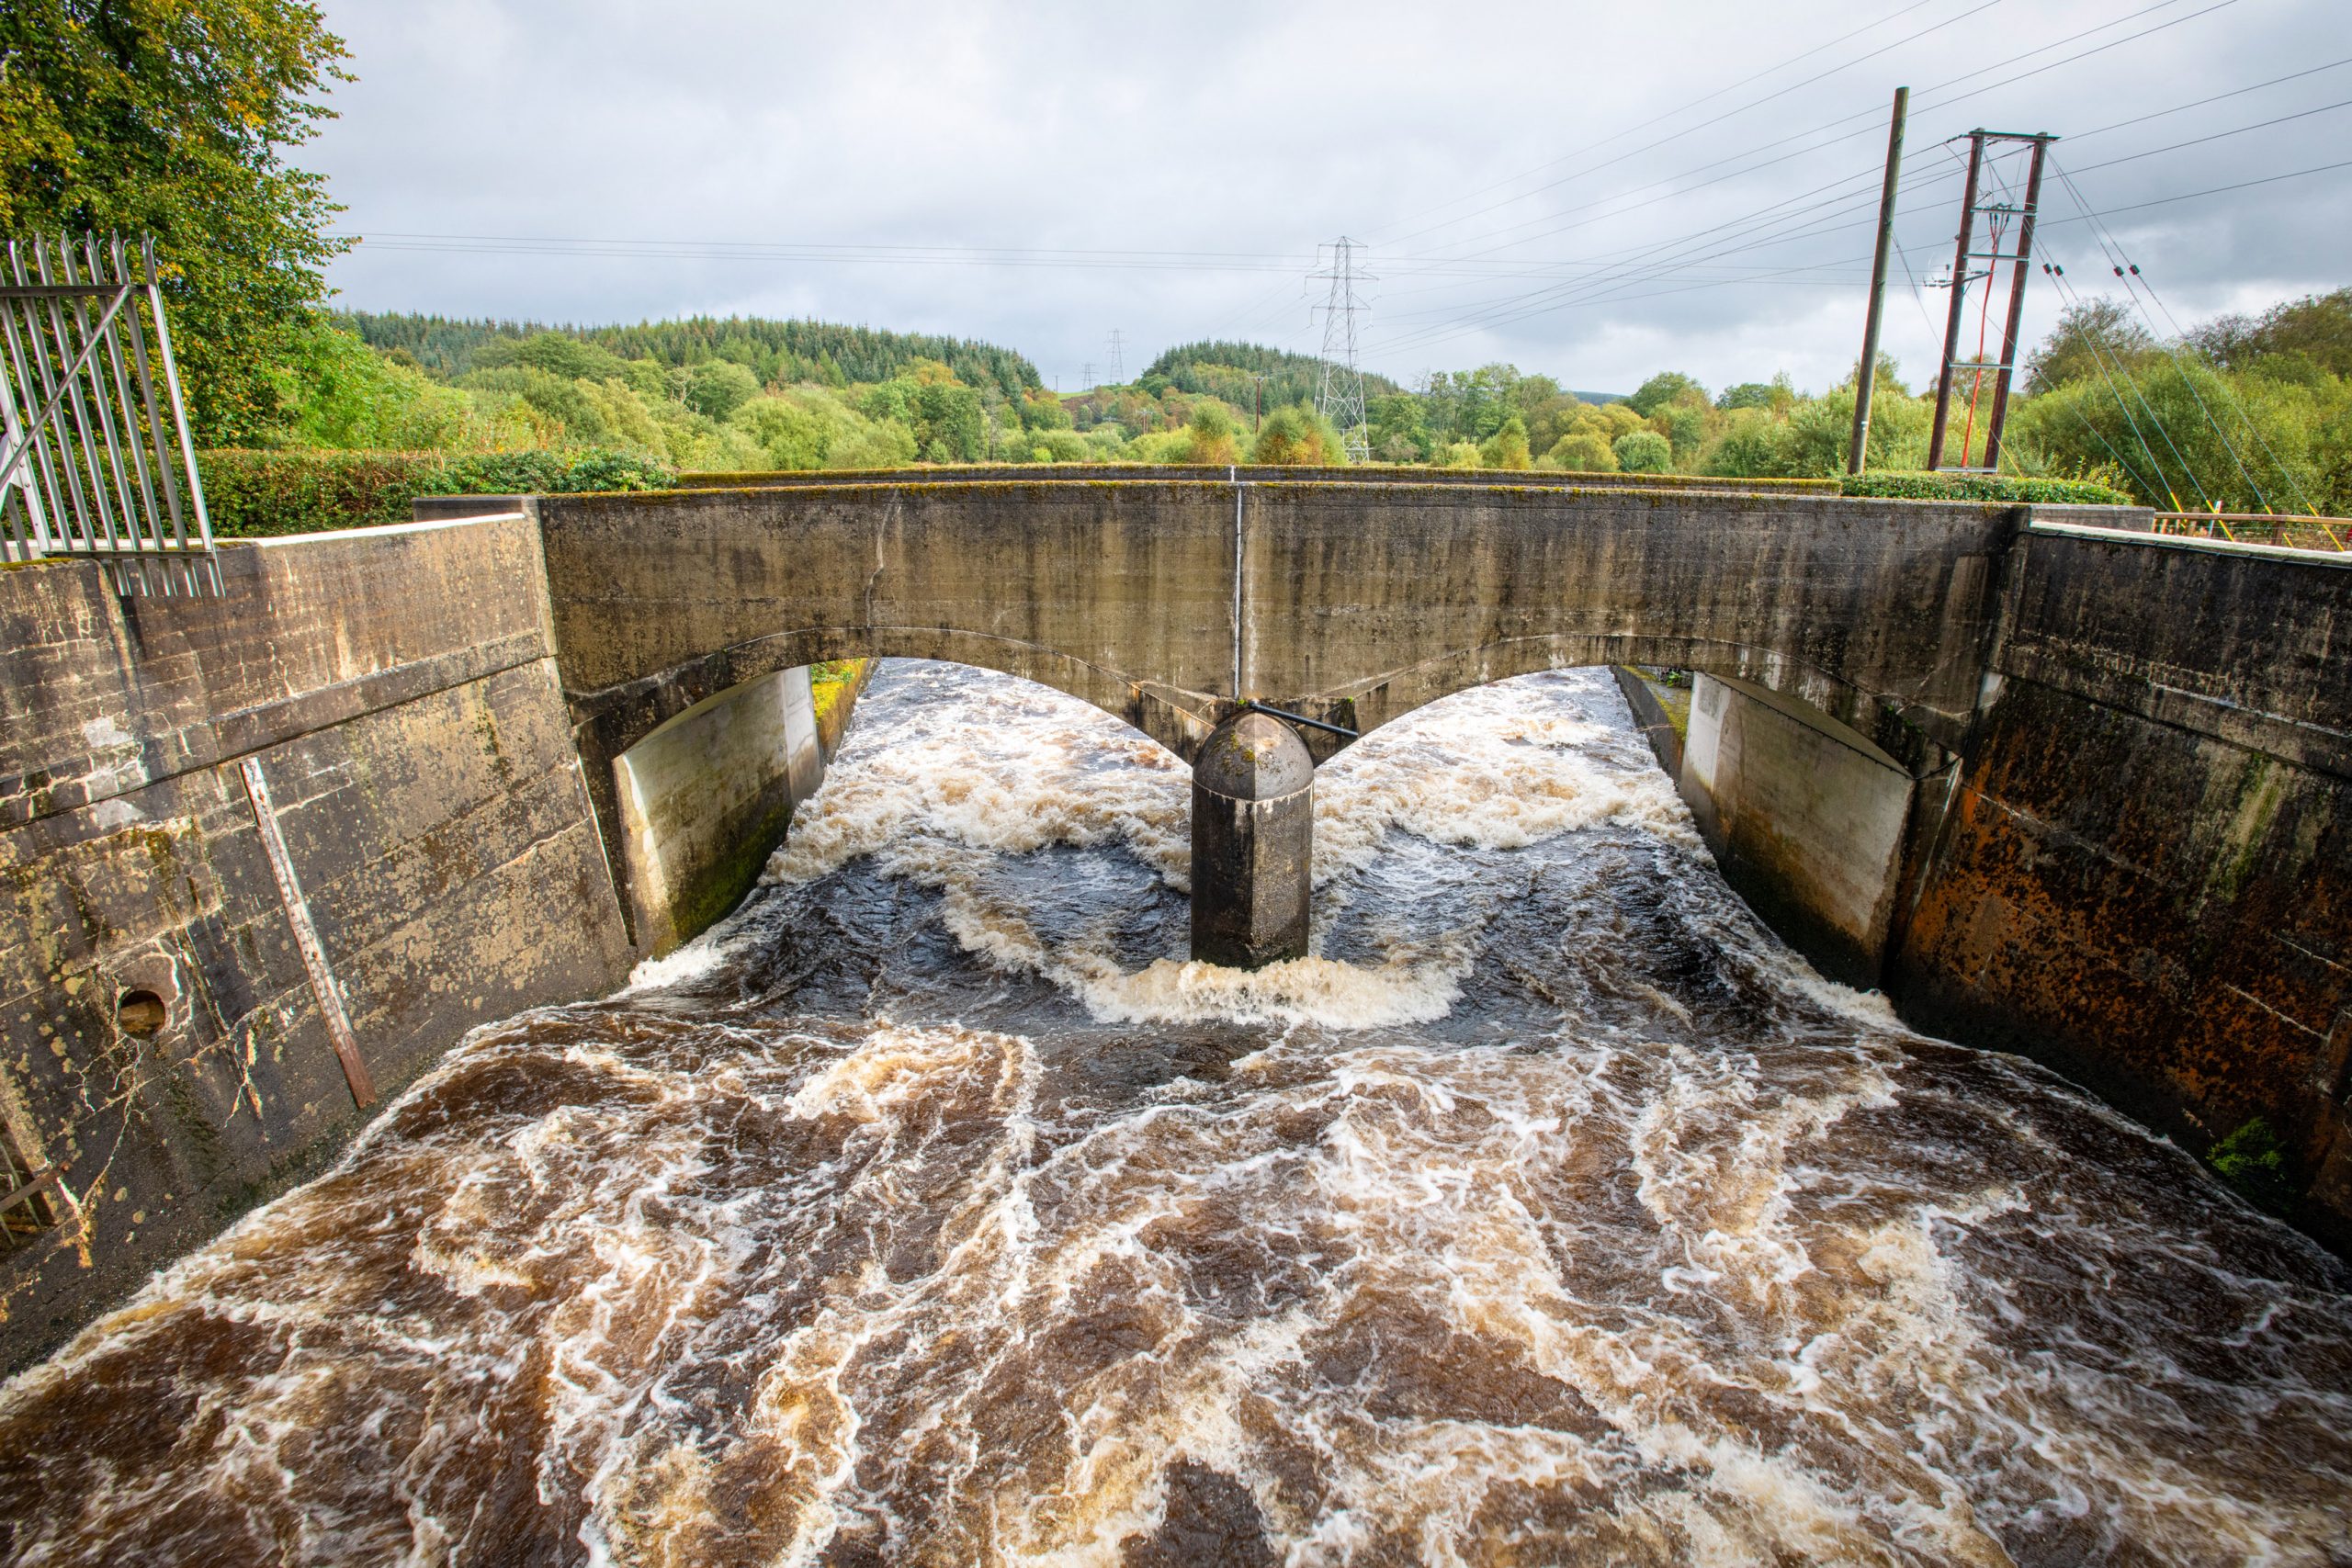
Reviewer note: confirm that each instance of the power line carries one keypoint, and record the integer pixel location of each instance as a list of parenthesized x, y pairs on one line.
[(1644, 125), (1544, 300)]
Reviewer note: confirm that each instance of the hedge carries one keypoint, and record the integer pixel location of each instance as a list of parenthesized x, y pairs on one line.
[(1981, 487), (253, 494)]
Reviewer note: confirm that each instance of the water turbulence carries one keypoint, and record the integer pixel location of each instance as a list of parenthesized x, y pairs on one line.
[(932, 1211)]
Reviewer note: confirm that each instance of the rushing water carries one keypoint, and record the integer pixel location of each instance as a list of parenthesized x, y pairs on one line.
[(931, 1210)]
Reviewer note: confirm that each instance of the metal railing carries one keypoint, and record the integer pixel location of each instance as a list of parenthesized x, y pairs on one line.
[(2251, 529), (93, 462)]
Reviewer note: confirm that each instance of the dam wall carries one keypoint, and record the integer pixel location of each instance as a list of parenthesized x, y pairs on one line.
[(707, 796), (2139, 870), (359, 749)]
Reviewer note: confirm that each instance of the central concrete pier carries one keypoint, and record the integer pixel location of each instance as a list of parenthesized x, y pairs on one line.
[(1253, 823)]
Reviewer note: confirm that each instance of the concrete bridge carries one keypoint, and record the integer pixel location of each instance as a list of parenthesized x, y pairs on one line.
[(2065, 789)]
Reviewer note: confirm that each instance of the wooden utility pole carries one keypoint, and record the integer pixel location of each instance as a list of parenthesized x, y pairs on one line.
[(2004, 219), (1867, 379)]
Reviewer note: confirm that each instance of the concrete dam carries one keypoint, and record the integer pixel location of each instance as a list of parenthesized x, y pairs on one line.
[(1742, 932)]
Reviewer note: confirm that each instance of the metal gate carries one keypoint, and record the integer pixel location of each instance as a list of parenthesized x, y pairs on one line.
[(92, 461)]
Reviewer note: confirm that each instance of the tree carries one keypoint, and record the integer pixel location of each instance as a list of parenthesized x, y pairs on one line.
[(172, 118), (1296, 435), (2317, 328), (1643, 452), (1213, 433), (716, 388), (1665, 386), (2090, 334), (1506, 447), (1582, 452)]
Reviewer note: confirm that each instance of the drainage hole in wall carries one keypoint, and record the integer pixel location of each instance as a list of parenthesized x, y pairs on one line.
[(141, 1012)]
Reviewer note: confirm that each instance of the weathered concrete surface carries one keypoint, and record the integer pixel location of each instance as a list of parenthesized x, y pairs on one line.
[(705, 798), (2144, 876), (397, 690), (1163, 602), (1253, 844), (1806, 817)]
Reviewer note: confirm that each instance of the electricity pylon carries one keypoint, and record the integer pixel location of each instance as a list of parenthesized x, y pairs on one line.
[(1339, 397)]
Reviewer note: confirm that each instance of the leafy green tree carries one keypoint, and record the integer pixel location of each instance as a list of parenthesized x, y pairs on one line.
[(1399, 428), (1296, 435), (950, 426), (558, 354), (173, 117), (2091, 338), (719, 387), (1684, 426), (2183, 436), (1582, 452), (1214, 432), (1506, 447), (1643, 452), (2317, 329), (1665, 386)]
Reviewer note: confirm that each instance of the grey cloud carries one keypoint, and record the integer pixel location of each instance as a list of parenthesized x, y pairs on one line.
[(1264, 131)]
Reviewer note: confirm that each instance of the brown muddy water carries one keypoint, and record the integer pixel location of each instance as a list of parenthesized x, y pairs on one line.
[(931, 1210)]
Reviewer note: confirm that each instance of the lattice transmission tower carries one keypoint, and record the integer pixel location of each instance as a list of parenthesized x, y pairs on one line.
[(1118, 358), (1339, 397)]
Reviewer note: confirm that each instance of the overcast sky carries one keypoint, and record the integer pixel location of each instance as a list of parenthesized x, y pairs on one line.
[(1593, 192)]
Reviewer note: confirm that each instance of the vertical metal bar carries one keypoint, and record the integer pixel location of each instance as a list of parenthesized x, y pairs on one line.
[(150, 516), (19, 509), (52, 497), (1866, 381), (179, 410), (74, 407), (306, 937), (147, 403), (1958, 297), (2016, 308), (74, 515), (85, 349)]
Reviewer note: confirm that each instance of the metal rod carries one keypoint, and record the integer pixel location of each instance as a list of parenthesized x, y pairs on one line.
[(1253, 705), (147, 403), (29, 433), (147, 393), (2016, 307), (179, 411), (1867, 380), (93, 366), (150, 516), (75, 512), (78, 413)]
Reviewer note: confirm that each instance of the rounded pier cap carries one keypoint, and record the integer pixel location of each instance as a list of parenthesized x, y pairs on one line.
[(1253, 756)]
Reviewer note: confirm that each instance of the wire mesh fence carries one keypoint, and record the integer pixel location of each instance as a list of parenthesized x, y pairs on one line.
[(94, 455)]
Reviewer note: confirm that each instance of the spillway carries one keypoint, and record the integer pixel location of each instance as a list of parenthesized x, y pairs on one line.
[(934, 1210)]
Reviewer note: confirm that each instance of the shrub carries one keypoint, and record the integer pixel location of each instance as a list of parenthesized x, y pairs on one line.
[(1643, 452), (1583, 452), (1297, 436), (263, 494), (2251, 1160), (1981, 487), (1506, 447)]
